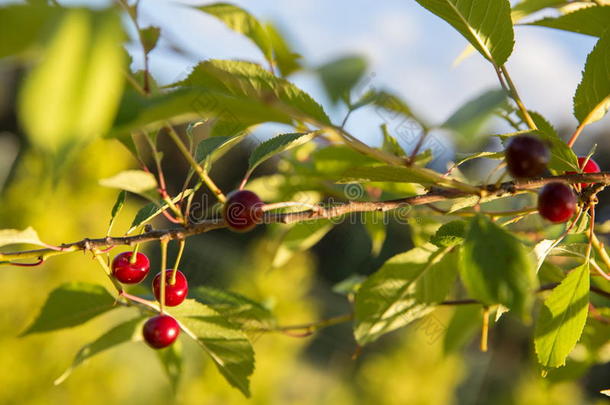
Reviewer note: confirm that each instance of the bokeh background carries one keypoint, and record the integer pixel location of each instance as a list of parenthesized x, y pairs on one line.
[(409, 51)]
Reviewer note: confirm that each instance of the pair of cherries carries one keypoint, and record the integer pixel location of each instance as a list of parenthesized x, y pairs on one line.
[(527, 156), (159, 331)]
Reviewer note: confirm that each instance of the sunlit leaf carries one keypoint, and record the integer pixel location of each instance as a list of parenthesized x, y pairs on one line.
[(592, 21), (134, 181), (15, 236)]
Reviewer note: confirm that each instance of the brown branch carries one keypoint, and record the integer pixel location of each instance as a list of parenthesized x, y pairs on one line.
[(488, 191)]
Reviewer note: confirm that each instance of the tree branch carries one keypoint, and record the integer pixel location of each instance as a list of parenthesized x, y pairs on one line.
[(488, 191)]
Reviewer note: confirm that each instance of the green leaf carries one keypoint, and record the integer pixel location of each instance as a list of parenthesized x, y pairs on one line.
[(211, 149), (563, 157), (122, 333), (72, 95), (562, 318), (396, 174), (277, 145), (340, 76), (592, 97), (151, 210), (335, 160), (134, 181), (149, 37), (587, 20), (450, 234), (479, 155), (285, 58), (14, 237), (30, 22), (462, 327), (496, 267), (390, 144), (527, 7), (71, 304), (236, 308), (299, 238), (376, 229), (226, 345), (241, 21), (470, 119), (116, 208), (171, 361), (405, 289), (485, 24), (390, 106)]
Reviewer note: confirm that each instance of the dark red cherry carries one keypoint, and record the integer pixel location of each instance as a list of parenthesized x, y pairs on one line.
[(590, 167), (161, 331), (130, 273), (174, 293), (526, 156), (243, 210), (557, 202)]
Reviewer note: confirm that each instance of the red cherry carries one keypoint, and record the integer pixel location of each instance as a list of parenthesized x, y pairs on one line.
[(161, 331), (243, 210), (590, 167), (526, 156), (557, 202), (130, 273), (174, 293)]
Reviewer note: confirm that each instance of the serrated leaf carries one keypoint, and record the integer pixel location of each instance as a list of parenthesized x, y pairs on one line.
[(14, 236), (69, 305), (405, 289), (341, 75), (592, 21), (396, 174), (134, 181), (469, 120), (485, 24), (286, 59), (226, 345), (151, 210), (236, 308), (563, 157), (171, 361), (211, 149), (562, 318), (299, 238), (149, 37), (450, 234), (73, 94), (495, 267), (122, 333), (277, 145), (592, 97), (241, 21)]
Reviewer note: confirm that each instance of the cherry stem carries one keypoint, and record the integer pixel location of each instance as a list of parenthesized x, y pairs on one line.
[(163, 276), (107, 270), (525, 115), (172, 280), (485, 329)]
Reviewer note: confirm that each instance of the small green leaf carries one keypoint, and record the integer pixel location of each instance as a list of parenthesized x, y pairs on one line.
[(241, 21), (285, 58), (226, 345), (116, 208), (390, 144), (149, 37), (527, 7), (470, 119), (340, 76), (211, 149), (562, 318), (122, 333), (350, 285), (496, 267), (171, 361), (390, 107), (592, 21), (299, 238), (134, 181), (592, 98), (236, 308), (376, 228), (405, 289), (450, 234), (277, 145), (487, 25), (70, 305), (479, 155), (151, 210), (563, 157), (14, 236)]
